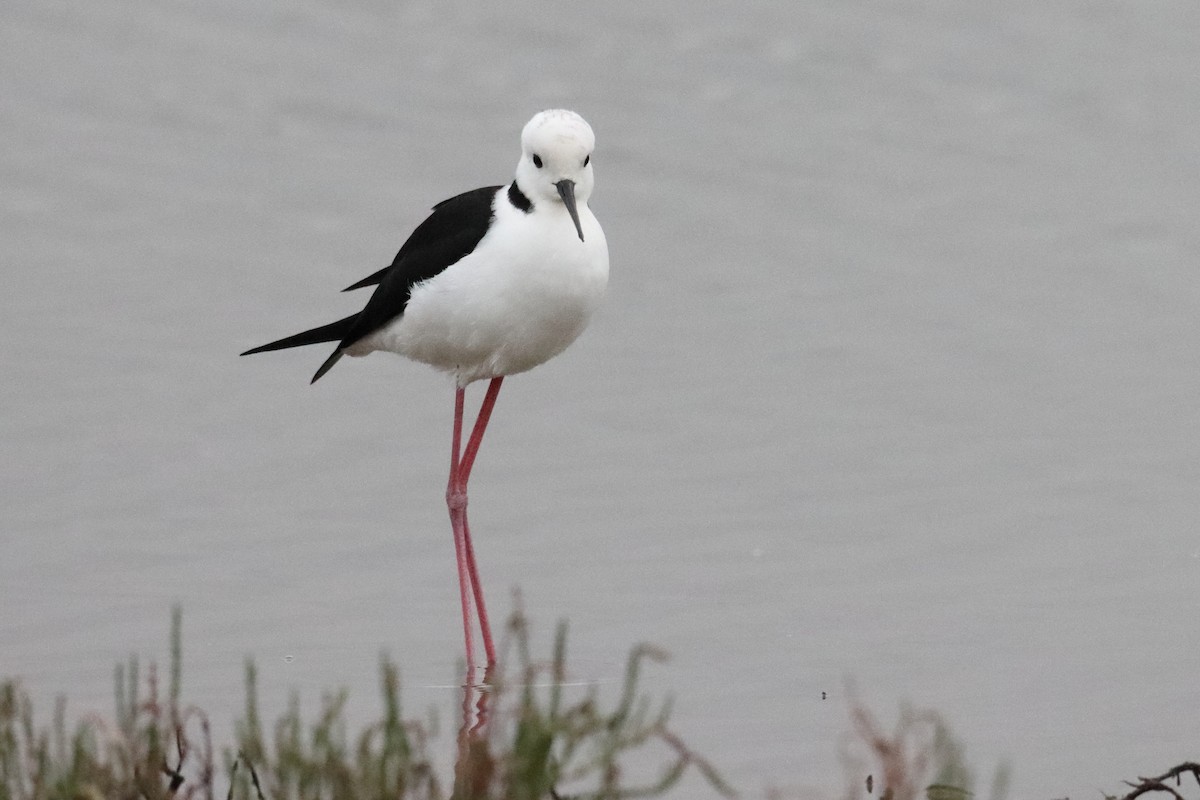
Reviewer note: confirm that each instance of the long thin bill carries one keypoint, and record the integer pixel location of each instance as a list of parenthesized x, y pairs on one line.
[(566, 190)]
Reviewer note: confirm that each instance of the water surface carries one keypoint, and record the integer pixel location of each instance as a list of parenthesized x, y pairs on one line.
[(896, 380)]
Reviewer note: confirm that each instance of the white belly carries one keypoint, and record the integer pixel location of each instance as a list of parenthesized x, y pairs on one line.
[(520, 298)]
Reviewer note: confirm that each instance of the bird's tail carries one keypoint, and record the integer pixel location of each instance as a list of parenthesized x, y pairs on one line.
[(333, 332)]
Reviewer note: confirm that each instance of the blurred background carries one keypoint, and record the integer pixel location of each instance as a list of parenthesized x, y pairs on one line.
[(895, 384)]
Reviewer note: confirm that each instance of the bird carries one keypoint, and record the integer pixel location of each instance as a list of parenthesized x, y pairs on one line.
[(494, 282)]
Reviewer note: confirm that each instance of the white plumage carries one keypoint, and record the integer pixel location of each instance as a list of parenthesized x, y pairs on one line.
[(529, 287)]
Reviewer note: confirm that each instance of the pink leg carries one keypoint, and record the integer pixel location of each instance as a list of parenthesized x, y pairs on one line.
[(477, 589), (485, 413), (464, 475), (456, 499)]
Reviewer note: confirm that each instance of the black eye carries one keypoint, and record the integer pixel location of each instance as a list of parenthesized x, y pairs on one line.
[(537, 161), (586, 159)]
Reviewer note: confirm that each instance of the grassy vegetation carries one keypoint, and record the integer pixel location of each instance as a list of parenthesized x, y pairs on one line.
[(901, 761), (519, 738)]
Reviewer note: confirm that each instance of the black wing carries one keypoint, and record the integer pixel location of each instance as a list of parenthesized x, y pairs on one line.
[(455, 223), (449, 233)]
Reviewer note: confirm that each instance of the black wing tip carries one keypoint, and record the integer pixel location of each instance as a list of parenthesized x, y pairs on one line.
[(333, 332), (325, 367), (328, 365), (372, 279)]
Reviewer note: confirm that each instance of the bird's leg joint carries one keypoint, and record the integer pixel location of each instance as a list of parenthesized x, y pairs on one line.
[(456, 499)]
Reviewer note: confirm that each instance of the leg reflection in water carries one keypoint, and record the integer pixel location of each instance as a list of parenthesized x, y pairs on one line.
[(475, 767)]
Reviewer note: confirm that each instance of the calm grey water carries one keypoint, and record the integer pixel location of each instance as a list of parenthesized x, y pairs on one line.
[(897, 380)]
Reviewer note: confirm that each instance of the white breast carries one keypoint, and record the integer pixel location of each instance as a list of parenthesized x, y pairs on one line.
[(525, 292)]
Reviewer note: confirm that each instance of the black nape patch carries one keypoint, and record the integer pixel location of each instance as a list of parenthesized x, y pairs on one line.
[(518, 198)]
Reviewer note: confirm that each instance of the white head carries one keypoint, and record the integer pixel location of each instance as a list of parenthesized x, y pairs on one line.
[(556, 160)]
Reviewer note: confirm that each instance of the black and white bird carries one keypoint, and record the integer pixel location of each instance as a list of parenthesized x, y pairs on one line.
[(494, 282)]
